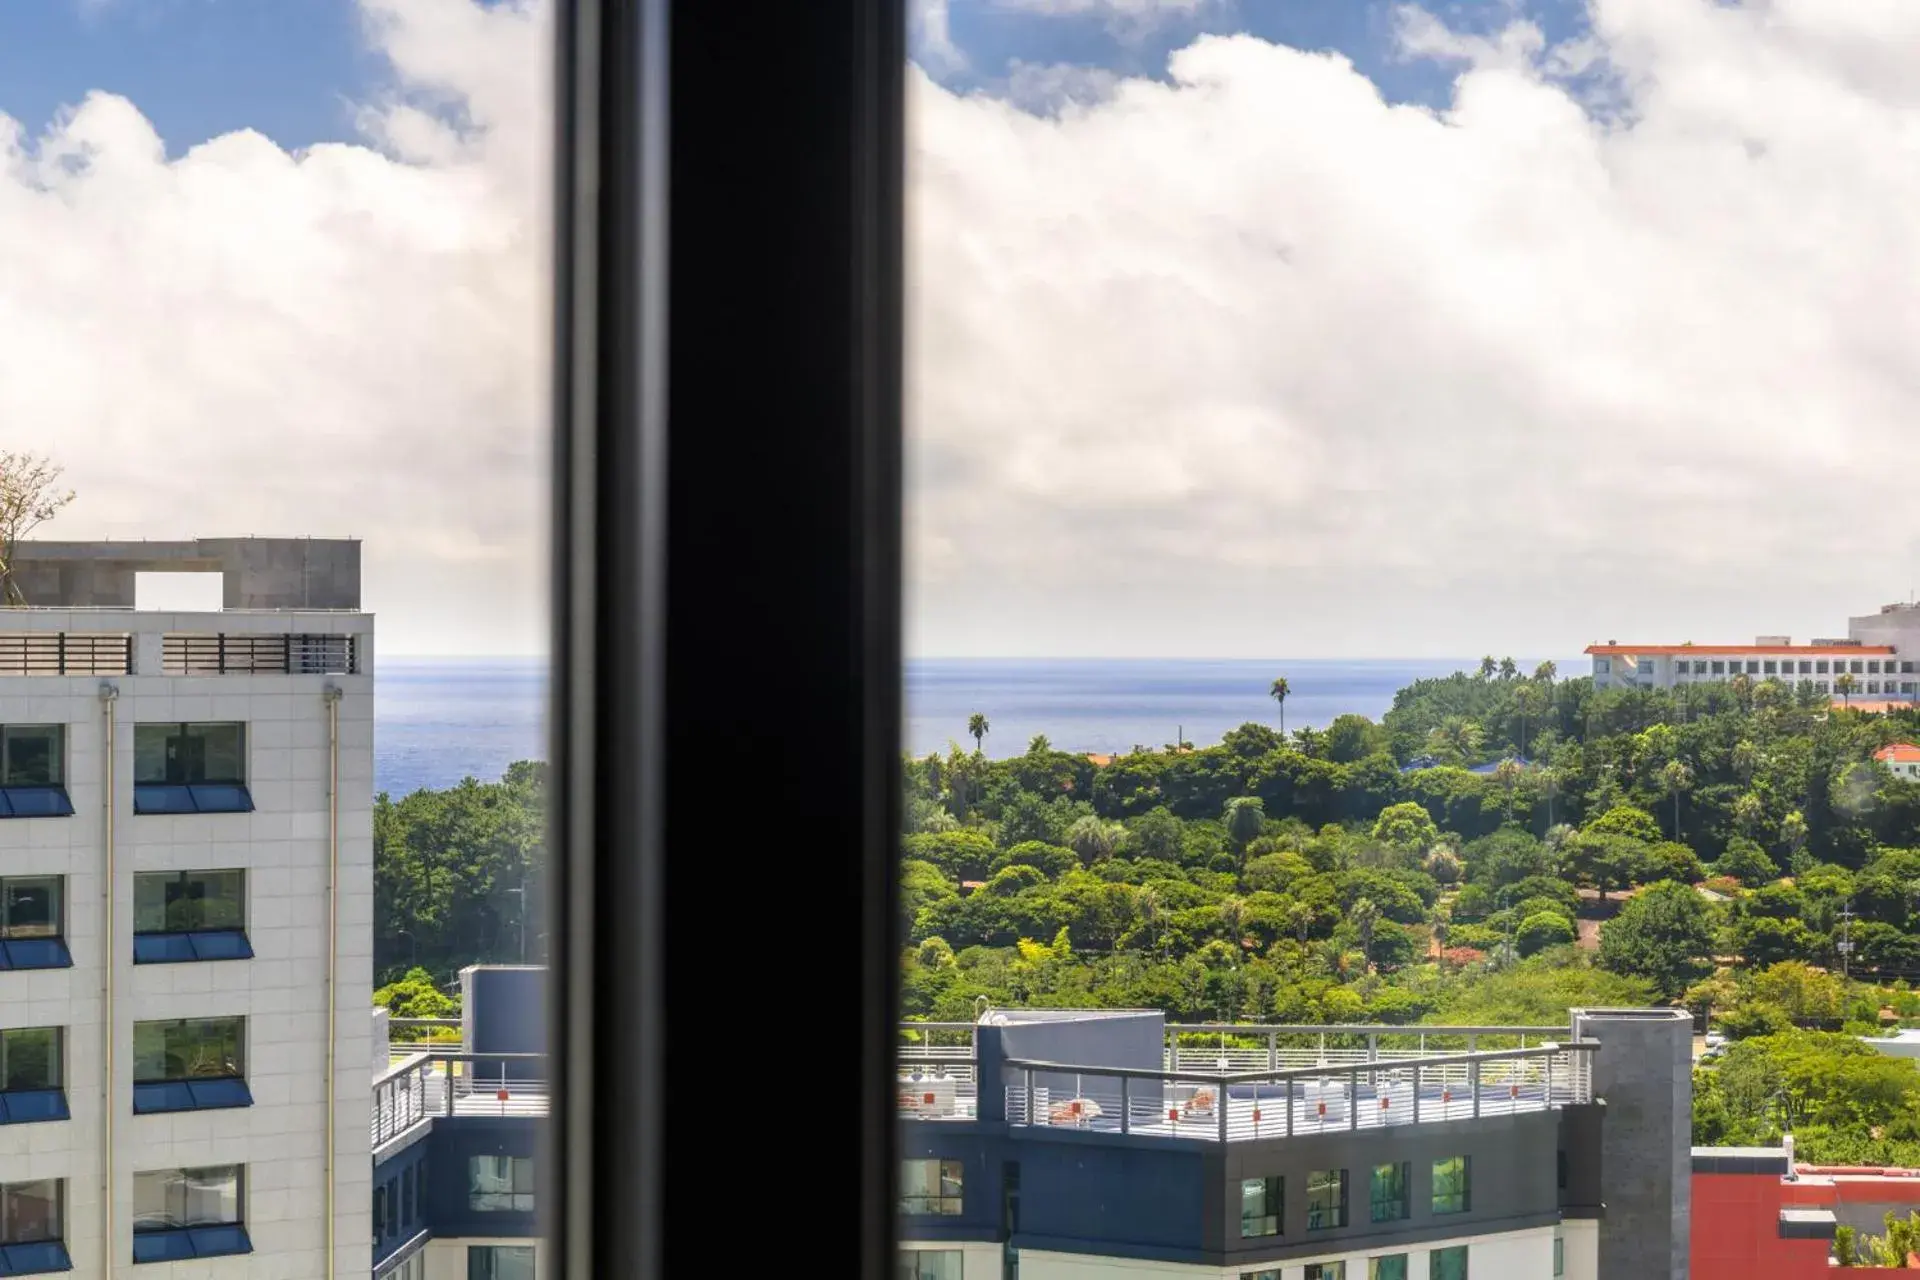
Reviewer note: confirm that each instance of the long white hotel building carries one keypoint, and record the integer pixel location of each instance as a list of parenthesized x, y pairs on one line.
[(186, 906), (1881, 652)]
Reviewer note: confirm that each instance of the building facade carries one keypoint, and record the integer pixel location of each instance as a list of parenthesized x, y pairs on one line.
[(186, 914), (1054, 1145), (455, 1138), (1880, 656)]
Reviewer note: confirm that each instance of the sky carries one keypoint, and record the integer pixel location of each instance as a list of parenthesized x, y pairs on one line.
[(1286, 329)]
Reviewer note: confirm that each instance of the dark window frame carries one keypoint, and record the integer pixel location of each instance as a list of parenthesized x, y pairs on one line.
[(211, 1091), (1458, 1199), (1437, 1268), (1389, 1209), (649, 406), (941, 1203), (185, 946), (174, 1242), (513, 1194), (1320, 1205), (1273, 1207)]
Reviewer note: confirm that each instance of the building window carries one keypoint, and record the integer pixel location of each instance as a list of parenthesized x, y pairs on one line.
[(1260, 1200), (33, 923), (1601, 666), (1719, 668), (190, 768), (1753, 667), (1821, 685), (1388, 1266), (1906, 686), (32, 1228), (1326, 1199), (1770, 667), (412, 1267), (1854, 666), (1873, 666), (190, 1064), (1806, 668), (1906, 667), (181, 916), (379, 1213), (407, 1181), (1448, 1264), (1273, 1274), (189, 1213), (1387, 1192), (1451, 1185), (1326, 1271), (500, 1184), (1699, 666), (930, 1186), (926, 1264), (33, 771), (1820, 667), (32, 1075), (514, 1262), (1559, 1256)]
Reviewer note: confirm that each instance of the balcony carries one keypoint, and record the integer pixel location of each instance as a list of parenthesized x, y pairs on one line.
[(66, 653), (1228, 1083), (1243, 1106), (427, 1086)]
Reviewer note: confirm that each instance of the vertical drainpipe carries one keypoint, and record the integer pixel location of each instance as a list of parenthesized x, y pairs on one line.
[(108, 695), (332, 695)]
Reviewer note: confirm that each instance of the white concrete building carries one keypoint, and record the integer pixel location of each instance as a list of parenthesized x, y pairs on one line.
[(186, 907)]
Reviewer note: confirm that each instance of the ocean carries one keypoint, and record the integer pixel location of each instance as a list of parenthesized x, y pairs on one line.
[(440, 720)]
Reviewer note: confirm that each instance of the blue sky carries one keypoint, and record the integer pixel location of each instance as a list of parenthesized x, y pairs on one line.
[(292, 69)]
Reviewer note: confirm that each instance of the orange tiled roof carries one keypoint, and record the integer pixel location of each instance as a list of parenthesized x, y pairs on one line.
[(1825, 650), (1898, 753)]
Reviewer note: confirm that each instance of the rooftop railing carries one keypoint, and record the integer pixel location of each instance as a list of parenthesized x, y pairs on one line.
[(1243, 1106), (1228, 1046), (427, 1086)]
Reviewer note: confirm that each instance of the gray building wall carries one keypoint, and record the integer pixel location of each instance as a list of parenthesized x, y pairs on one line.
[(1644, 1072), (257, 573)]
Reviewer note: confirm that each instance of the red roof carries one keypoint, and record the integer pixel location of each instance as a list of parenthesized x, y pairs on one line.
[(1824, 650), (1898, 753)]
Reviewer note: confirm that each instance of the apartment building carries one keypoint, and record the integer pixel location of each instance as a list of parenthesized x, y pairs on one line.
[(186, 906), (1880, 654), (455, 1131), (1061, 1145)]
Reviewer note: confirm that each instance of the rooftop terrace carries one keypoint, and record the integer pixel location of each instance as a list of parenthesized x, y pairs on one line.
[(1230, 1082), (279, 574)]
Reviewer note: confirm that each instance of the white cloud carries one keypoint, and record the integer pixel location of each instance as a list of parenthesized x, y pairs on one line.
[(932, 38), (349, 340), (1253, 362)]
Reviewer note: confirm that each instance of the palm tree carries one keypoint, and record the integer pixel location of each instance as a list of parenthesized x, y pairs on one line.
[(1546, 672), (1676, 777), (1487, 667), (1506, 773), (1844, 685), (1747, 812), (1365, 917), (1743, 690), (1509, 669), (977, 728), (1526, 700), (1279, 693), (1743, 757)]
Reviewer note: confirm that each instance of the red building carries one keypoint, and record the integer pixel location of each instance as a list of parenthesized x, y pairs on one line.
[(1755, 1220)]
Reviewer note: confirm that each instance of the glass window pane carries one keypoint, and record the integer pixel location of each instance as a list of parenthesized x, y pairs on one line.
[(32, 754), (1393, 1266), (1448, 1264), (1326, 1199), (150, 751), (30, 1058), (1326, 1271), (168, 1198), (30, 1212), (31, 906), (1260, 1207), (190, 1048), (223, 756), (931, 1264)]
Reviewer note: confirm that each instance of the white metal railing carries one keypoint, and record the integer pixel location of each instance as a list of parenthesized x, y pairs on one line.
[(426, 1086), (1233, 1106)]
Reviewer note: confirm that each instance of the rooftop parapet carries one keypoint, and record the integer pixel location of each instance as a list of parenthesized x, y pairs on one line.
[(257, 573)]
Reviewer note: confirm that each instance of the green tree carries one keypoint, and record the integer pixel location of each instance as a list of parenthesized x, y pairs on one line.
[(1545, 929), (1365, 918), (1406, 826), (1244, 817), (1675, 778), (1278, 691), (977, 728), (1093, 838), (1844, 685), (1746, 862), (1545, 672), (1664, 934)]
